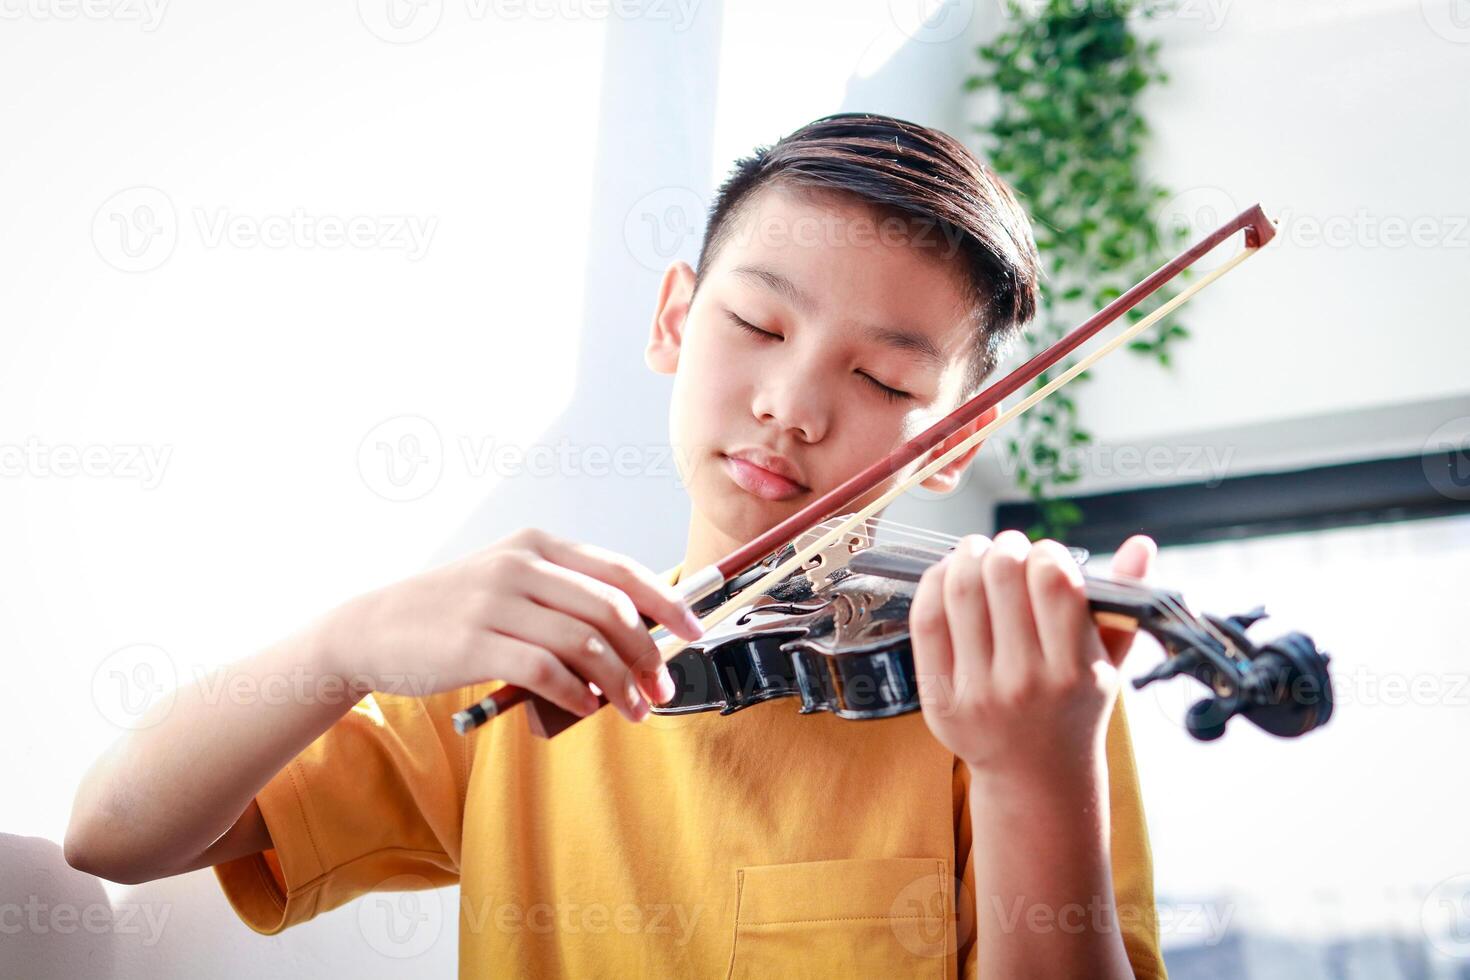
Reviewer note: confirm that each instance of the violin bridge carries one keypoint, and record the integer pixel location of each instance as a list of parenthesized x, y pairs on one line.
[(822, 567)]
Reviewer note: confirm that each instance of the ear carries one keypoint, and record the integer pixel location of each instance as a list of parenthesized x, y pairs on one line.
[(947, 478), (675, 294)]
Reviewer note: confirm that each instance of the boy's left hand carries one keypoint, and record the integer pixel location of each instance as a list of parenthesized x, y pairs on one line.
[(1015, 677)]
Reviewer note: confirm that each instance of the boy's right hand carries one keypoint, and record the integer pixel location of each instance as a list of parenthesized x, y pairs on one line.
[(533, 610)]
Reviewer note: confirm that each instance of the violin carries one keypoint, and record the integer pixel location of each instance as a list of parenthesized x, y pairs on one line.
[(835, 634), (809, 651)]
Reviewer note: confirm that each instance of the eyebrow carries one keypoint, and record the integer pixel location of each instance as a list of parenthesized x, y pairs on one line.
[(776, 282), (908, 341)]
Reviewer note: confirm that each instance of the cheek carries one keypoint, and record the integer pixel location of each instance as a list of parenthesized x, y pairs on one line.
[(864, 437), (872, 437), (707, 390), (883, 432)]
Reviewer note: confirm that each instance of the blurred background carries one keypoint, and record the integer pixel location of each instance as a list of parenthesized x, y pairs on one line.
[(300, 299)]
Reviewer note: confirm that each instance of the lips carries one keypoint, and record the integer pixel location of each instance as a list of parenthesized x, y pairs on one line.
[(763, 474)]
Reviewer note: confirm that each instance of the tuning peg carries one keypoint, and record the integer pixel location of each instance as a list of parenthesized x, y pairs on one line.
[(1170, 667), (1245, 621), (1206, 718)]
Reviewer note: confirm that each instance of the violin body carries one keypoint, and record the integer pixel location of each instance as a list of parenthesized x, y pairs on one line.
[(836, 636), (844, 650)]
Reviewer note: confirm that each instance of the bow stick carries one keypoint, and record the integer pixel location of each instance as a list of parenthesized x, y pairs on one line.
[(548, 719)]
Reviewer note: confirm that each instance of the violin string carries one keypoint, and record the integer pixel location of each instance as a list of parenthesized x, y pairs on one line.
[(1177, 613), (918, 538), (1171, 610), (1104, 586), (1162, 601), (778, 570), (897, 528), (913, 532), (926, 539), (868, 528), (1226, 644), (921, 539), (1101, 587)]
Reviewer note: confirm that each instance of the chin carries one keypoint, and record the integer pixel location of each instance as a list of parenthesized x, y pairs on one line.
[(733, 512)]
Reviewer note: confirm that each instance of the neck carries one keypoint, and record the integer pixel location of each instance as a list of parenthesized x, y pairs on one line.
[(705, 545)]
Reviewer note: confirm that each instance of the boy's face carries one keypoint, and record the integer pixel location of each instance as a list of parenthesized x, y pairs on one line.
[(821, 338)]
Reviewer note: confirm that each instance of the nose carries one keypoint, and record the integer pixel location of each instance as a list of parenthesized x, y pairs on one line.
[(792, 399)]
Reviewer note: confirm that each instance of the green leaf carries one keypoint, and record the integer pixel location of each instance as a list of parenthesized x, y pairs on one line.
[(1068, 134)]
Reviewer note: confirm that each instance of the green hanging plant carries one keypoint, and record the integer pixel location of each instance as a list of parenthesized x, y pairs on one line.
[(1067, 135)]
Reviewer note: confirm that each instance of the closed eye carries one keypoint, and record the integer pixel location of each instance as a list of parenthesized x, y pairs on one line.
[(890, 393), (887, 391), (751, 328)]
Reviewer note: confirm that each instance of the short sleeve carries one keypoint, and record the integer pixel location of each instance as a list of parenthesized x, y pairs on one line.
[(1132, 860), (376, 802)]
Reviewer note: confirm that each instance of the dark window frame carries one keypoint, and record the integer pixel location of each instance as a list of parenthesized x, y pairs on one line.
[(1347, 494)]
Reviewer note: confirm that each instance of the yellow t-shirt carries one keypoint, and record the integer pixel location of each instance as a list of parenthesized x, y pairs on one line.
[(760, 843)]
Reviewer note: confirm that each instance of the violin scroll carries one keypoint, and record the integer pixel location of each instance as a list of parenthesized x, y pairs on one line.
[(1282, 687), (835, 634)]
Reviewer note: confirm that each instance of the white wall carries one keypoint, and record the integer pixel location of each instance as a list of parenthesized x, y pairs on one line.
[(539, 155), (1349, 122), (249, 408), (257, 371)]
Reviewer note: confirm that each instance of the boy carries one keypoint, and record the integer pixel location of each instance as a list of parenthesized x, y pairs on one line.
[(858, 279)]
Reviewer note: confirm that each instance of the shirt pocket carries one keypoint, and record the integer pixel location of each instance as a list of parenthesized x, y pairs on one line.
[(864, 917)]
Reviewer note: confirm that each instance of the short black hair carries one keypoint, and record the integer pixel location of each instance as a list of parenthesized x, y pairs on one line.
[(901, 169)]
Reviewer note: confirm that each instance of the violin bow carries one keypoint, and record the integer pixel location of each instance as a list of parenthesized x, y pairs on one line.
[(548, 719)]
